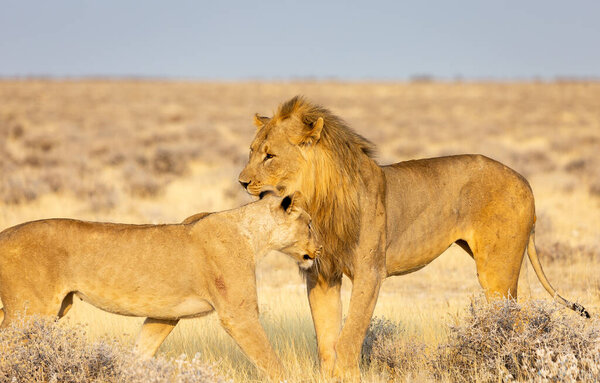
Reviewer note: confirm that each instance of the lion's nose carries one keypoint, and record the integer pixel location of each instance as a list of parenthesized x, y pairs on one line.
[(244, 184)]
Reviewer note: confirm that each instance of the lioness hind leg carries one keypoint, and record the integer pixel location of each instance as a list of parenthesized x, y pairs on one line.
[(66, 305), (498, 262), (15, 308), (152, 334)]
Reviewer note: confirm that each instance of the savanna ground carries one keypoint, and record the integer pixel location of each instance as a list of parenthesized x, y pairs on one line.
[(152, 151)]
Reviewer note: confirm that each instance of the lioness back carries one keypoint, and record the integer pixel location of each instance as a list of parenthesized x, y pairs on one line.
[(106, 264)]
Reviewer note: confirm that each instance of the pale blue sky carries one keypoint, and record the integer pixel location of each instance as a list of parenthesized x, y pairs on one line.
[(291, 39)]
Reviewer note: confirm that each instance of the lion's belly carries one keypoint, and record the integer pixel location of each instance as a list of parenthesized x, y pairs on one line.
[(420, 225), (404, 257), (148, 305)]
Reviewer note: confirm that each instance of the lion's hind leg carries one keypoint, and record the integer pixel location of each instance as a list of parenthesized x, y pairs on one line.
[(498, 258)]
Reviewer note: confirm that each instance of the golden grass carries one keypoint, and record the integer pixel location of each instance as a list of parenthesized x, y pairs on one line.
[(135, 151)]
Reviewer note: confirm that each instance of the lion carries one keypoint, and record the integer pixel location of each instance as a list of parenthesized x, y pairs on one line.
[(380, 221), (162, 272)]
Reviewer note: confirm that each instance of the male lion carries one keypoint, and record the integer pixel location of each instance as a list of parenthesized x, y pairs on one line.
[(378, 221), (163, 272)]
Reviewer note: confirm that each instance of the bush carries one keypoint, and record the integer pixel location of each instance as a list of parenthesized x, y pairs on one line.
[(386, 345), (38, 349), (510, 341)]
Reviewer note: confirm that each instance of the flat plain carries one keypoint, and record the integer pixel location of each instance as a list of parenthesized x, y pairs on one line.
[(141, 151)]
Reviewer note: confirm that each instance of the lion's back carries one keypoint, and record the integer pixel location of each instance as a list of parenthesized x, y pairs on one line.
[(462, 184)]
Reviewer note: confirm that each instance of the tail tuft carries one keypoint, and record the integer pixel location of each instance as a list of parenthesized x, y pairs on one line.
[(580, 310)]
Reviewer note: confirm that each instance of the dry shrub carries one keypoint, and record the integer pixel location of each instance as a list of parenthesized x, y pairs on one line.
[(510, 341), (552, 366), (38, 349), (88, 127), (532, 162), (387, 346), (563, 251)]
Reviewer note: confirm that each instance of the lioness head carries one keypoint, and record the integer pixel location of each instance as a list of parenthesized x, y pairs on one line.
[(293, 233)]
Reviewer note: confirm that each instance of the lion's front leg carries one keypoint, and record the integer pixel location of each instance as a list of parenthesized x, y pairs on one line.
[(326, 308), (368, 274), (365, 290)]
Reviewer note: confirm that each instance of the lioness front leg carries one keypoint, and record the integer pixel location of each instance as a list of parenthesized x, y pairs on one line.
[(244, 327), (152, 334), (326, 308)]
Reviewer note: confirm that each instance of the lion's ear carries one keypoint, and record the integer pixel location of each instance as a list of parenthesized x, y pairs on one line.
[(314, 134), (260, 121)]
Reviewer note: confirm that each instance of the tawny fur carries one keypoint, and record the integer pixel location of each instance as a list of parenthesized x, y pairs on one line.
[(163, 272), (328, 182), (378, 221)]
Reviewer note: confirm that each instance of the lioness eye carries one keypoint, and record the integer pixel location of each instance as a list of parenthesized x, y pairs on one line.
[(269, 156)]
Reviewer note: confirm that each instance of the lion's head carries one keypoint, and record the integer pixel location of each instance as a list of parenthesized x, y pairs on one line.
[(304, 147)]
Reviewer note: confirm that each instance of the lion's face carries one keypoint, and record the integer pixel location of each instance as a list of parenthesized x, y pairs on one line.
[(273, 161), (277, 156), (293, 234)]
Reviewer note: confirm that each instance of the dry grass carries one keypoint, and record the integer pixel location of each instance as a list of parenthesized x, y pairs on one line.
[(503, 341), (511, 341), (137, 151), (37, 349)]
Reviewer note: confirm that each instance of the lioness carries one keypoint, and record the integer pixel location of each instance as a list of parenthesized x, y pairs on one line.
[(378, 221), (163, 272)]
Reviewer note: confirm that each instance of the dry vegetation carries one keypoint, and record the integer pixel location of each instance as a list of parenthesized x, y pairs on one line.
[(141, 151), (36, 349), (503, 341)]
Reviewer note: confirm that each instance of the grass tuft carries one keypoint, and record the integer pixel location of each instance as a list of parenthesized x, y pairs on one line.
[(39, 349)]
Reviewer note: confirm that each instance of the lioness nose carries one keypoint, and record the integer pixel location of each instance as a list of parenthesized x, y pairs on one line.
[(244, 184)]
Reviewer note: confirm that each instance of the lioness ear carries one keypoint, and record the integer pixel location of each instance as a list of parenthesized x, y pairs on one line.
[(292, 202), (314, 134), (260, 121), (286, 204)]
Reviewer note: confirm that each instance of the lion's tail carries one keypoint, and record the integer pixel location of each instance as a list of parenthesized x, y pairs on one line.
[(537, 266)]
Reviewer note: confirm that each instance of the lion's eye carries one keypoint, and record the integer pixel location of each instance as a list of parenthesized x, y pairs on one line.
[(269, 156)]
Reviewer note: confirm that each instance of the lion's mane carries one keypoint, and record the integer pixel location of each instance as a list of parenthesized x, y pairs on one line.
[(332, 183)]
